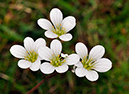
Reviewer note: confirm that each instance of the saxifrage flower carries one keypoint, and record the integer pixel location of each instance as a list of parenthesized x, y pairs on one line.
[(55, 61), (91, 63), (60, 26), (29, 55)]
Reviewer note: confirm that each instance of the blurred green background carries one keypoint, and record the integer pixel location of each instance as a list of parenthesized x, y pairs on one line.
[(104, 22)]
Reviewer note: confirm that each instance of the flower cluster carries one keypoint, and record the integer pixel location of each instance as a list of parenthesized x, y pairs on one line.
[(34, 51)]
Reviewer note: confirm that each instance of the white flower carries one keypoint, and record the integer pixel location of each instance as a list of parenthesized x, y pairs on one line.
[(29, 55), (56, 62), (60, 26), (90, 64)]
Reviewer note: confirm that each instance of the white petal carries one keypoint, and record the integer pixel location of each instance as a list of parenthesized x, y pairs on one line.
[(103, 65), (45, 53), (64, 55), (92, 75), (80, 72), (81, 50), (97, 52), (47, 68), (39, 43), (45, 24), (72, 59), (24, 64), (79, 64), (62, 69), (66, 37), (39, 58), (68, 23), (56, 47), (18, 51), (28, 43), (56, 16), (36, 65), (50, 34)]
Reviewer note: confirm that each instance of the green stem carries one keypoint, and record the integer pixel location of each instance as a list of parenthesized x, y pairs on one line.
[(40, 83)]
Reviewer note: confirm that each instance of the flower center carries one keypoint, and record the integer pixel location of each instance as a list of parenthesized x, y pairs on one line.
[(57, 61), (59, 30), (31, 56), (88, 63)]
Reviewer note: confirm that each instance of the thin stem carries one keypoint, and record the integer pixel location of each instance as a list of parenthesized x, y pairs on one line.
[(40, 83)]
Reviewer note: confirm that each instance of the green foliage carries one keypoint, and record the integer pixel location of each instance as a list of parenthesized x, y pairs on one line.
[(104, 22)]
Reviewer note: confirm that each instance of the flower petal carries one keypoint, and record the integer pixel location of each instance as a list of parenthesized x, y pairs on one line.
[(72, 59), (62, 69), (50, 34), (56, 16), (56, 47), (24, 64), (45, 53), (97, 52), (102, 65), (66, 37), (47, 68), (36, 65), (45, 24), (92, 75), (18, 51), (28, 43), (81, 50), (64, 55), (39, 43), (79, 64), (80, 72), (68, 23)]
